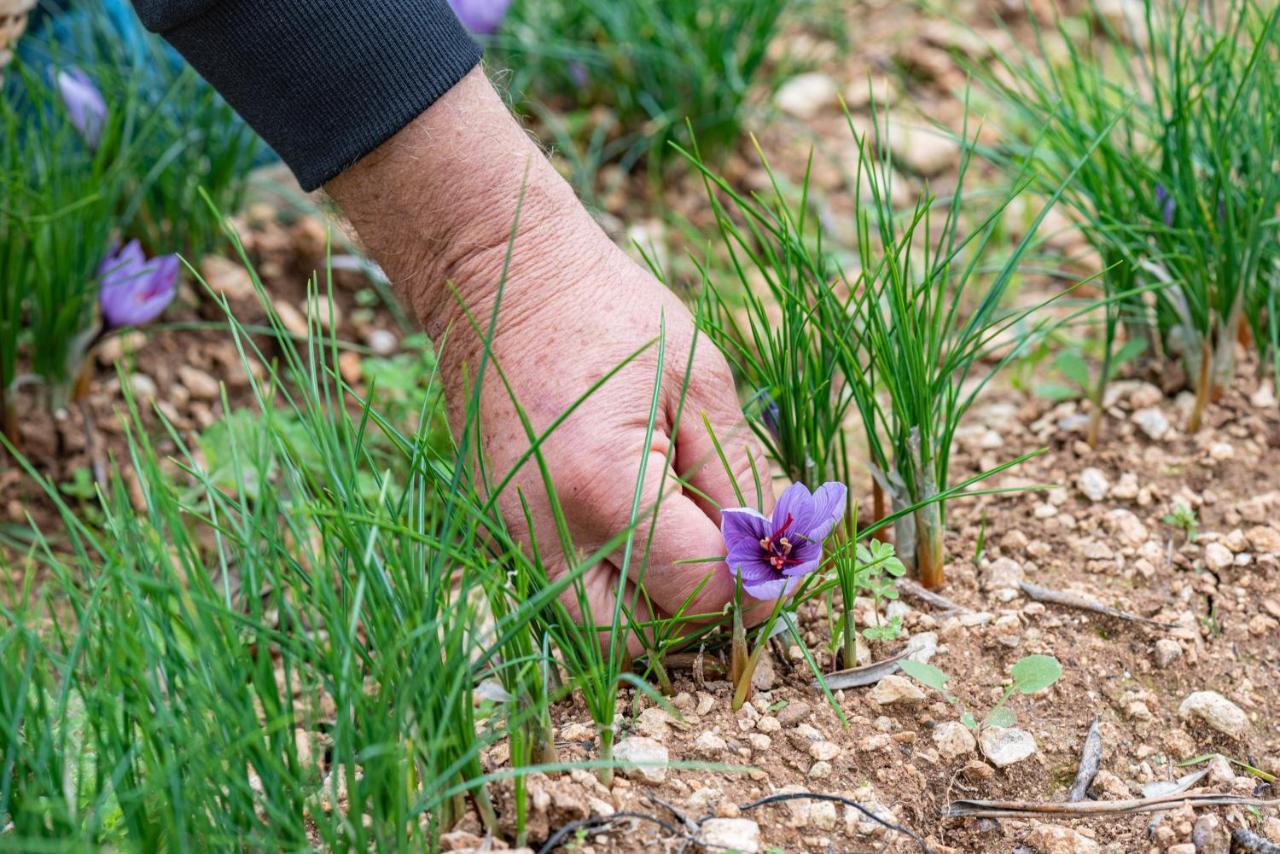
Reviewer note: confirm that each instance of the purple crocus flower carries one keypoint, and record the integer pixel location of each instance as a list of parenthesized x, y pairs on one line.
[(771, 416), (135, 290), (482, 17), (772, 554), (1166, 203), (85, 105)]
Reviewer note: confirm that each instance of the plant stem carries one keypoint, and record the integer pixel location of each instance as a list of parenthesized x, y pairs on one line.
[(9, 414), (929, 559), (605, 773), (742, 688), (878, 511), (1202, 386)]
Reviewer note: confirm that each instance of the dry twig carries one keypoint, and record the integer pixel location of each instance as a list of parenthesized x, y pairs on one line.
[(1090, 762), (1024, 809), (1084, 603)]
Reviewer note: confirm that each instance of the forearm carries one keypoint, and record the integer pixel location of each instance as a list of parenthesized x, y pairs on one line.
[(437, 202)]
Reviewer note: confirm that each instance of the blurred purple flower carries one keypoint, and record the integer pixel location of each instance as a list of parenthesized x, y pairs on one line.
[(483, 17), (579, 75), (85, 105), (1166, 203), (770, 415), (772, 554), (135, 290)]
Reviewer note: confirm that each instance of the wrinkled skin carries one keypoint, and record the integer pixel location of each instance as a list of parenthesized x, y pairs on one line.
[(435, 204)]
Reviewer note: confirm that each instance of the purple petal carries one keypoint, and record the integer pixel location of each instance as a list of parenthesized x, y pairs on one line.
[(133, 294), (797, 503), (86, 107), (483, 17), (743, 528), (800, 570), (828, 509), (774, 589), (752, 571)]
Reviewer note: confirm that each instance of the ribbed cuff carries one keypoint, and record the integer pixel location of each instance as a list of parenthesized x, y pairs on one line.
[(323, 81)]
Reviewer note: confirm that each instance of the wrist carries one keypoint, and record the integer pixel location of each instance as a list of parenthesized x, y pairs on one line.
[(436, 204)]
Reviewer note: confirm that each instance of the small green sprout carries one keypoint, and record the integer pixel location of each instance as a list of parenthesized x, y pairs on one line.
[(1183, 517), (1030, 674)]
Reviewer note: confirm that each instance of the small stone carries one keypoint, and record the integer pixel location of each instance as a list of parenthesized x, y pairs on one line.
[(1264, 539), (325, 311), (923, 151), (1181, 848), (806, 95), (710, 745), (768, 723), (640, 749), (1220, 772), (382, 342), (1127, 527), (290, 318), (1167, 652), (1220, 451), (1005, 746), (820, 770), (730, 834), (1152, 422), (201, 385), (1093, 484), (143, 387), (896, 689), (1216, 711), (1003, 574), (1056, 839), (706, 703), (1218, 557), (794, 713), (654, 723), (822, 815), (954, 740), (824, 751), (228, 278), (976, 772), (759, 741)]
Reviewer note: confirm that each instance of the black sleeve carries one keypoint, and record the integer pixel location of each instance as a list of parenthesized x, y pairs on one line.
[(323, 81)]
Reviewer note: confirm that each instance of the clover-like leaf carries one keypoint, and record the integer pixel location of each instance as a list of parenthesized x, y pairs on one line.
[(1035, 673)]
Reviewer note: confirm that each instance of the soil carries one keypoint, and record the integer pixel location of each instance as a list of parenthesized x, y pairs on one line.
[(1219, 594)]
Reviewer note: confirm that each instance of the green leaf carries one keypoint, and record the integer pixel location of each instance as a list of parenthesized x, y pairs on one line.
[(1127, 353), (967, 720), (1074, 367), (1055, 391), (1000, 716), (925, 673), (1035, 673)]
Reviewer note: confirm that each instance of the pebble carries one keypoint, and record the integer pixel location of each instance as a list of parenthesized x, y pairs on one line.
[(640, 749), (825, 751), (1152, 422), (977, 772), (794, 713), (325, 311), (1263, 538), (1128, 527), (806, 95), (896, 689), (382, 342), (290, 318), (200, 384), (730, 834), (1218, 557), (225, 277), (1093, 484), (1056, 839), (954, 740), (143, 387), (1167, 652), (654, 723), (1216, 711), (1006, 745), (1220, 451), (1003, 574), (710, 745), (924, 151)]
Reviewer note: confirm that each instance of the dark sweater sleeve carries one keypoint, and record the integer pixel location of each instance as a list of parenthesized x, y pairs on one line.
[(323, 81)]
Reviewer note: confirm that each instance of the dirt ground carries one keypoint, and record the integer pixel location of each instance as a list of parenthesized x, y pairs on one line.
[(1209, 608)]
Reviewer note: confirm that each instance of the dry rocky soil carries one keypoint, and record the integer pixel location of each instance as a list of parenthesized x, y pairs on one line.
[(1196, 676)]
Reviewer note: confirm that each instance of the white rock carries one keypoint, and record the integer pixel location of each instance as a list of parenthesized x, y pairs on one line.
[(954, 740), (730, 834), (824, 751), (1003, 573), (896, 689), (822, 815), (923, 151), (654, 722), (382, 342), (710, 745), (225, 277), (1056, 839), (806, 95), (1128, 527), (1217, 711), (143, 387), (1093, 483), (1265, 396), (1005, 746), (326, 313), (641, 749), (1264, 539), (201, 385), (1152, 422), (1220, 451), (1218, 557), (290, 318), (1167, 652)]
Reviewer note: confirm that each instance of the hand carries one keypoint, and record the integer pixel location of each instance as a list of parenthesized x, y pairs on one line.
[(436, 204)]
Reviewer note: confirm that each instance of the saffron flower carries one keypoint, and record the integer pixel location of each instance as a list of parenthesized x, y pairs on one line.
[(86, 107), (771, 416), (772, 554), (483, 17), (1166, 203), (134, 289)]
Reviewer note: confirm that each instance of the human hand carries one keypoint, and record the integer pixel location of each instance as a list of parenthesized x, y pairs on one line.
[(436, 205)]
